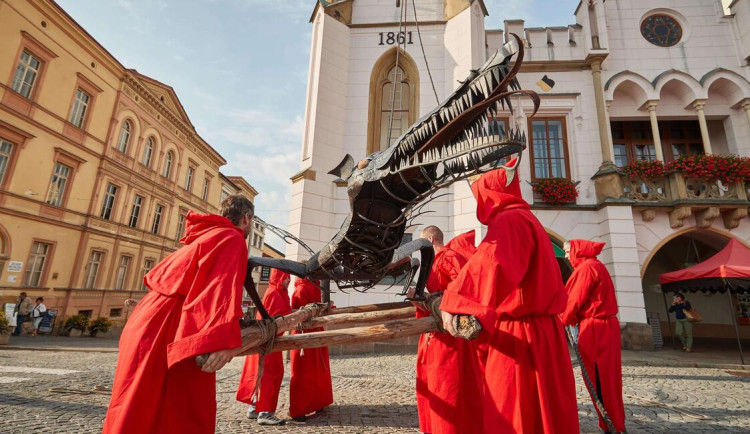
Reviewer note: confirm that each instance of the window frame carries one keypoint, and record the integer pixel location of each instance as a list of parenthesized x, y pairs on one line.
[(26, 67), (149, 146), (169, 157), (5, 169), (17, 138), (121, 278), (88, 87), (566, 144), (189, 177), (668, 142), (156, 225), (72, 161), (86, 269), (114, 201), (133, 210), (181, 219), (631, 143), (119, 143), (206, 188), (45, 265), (145, 270), (37, 49), (59, 192)]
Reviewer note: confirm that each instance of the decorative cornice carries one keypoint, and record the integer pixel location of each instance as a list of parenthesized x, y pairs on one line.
[(304, 174)]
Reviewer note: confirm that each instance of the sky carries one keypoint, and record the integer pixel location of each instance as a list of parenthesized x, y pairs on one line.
[(240, 70)]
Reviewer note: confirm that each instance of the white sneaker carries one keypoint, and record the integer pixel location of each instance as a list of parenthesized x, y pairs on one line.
[(269, 418)]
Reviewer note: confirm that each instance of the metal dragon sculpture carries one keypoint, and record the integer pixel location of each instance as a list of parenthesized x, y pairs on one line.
[(388, 188)]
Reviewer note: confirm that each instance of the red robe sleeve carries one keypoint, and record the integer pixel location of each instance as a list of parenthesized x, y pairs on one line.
[(213, 302), (579, 288)]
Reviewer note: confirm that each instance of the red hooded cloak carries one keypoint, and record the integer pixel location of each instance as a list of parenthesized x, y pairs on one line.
[(193, 307), (512, 285), (276, 301), (449, 384), (593, 305), (310, 387)]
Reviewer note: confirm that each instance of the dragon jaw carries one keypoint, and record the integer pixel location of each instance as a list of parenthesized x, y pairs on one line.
[(456, 140)]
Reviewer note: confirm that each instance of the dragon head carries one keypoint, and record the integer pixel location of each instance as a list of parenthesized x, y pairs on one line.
[(456, 140)]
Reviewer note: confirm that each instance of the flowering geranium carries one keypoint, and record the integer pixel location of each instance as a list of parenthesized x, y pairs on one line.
[(645, 170), (725, 168), (555, 191)]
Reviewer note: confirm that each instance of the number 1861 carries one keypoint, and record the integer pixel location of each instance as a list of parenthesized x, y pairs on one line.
[(391, 38)]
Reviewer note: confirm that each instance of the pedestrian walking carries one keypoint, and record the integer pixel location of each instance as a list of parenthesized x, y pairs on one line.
[(22, 309), (37, 315), (682, 327)]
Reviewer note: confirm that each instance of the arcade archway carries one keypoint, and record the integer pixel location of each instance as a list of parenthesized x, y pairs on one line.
[(682, 251)]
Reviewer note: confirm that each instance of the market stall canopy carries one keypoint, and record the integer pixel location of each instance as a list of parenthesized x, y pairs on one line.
[(729, 268)]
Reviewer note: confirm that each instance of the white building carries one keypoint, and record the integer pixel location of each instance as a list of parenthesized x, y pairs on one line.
[(633, 79)]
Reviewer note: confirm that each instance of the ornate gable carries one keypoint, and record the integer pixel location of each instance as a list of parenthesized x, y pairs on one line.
[(166, 95)]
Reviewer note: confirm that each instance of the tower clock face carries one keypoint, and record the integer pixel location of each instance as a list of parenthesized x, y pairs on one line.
[(661, 30)]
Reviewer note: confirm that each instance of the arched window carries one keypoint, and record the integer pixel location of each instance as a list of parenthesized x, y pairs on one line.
[(394, 99), (124, 140), (394, 108), (167, 172), (148, 152)]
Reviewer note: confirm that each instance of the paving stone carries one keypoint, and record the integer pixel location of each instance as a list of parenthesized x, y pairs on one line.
[(57, 392)]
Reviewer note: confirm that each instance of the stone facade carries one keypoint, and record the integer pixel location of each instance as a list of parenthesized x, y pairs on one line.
[(620, 92)]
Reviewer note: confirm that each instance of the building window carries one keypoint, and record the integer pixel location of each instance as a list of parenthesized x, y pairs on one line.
[(148, 264), (80, 105), (35, 266), (92, 269), (135, 211), (57, 184), (224, 195), (109, 201), (124, 140), (549, 149), (115, 312), (26, 73), (632, 141), (180, 227), (157, 219), (189, 178), (148, 152), (661, 30), (5, 150), (394, 107), (206, 184), (394, 89), (681, 138), (122, 272), (86, 313), (167, 172)]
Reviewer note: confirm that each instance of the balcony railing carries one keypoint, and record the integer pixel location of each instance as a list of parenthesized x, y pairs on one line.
[(682, 197)]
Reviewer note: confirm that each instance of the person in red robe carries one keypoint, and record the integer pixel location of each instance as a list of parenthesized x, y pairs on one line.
[(449, 380), (310, 388), (512, 286), (592, 305), (263, 405), (193, 307)]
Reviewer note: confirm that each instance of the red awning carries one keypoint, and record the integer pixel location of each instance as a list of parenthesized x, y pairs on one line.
[(731, 265)]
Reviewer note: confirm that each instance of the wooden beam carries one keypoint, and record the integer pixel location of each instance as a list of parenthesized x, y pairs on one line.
[(368, 308), (360, 318)]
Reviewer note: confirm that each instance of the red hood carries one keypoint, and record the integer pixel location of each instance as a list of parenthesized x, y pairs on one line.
[(303, 283), (197, 225), (276, 280), (494, 194), (581, 250), (463, 245)]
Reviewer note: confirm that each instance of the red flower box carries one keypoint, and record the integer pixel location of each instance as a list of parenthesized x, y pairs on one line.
[(556, 191)]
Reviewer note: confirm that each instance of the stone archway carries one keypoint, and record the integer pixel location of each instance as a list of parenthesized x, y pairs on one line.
[(683, 250)]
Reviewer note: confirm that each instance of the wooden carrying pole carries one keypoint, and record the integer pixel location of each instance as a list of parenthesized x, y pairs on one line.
[(360, 318), (380, 332)]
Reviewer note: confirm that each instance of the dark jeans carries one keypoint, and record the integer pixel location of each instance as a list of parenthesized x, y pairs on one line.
[(19, 322)]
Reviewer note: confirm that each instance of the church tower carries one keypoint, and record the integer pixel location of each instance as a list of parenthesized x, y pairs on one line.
[(375, 67)]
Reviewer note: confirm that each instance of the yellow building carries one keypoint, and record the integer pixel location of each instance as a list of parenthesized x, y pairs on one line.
[(99, 166)]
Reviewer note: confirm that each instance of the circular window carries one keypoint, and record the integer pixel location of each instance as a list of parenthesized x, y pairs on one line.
[(661, 30)]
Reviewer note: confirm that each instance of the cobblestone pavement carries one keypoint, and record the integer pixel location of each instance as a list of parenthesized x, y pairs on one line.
[(66, 392)]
